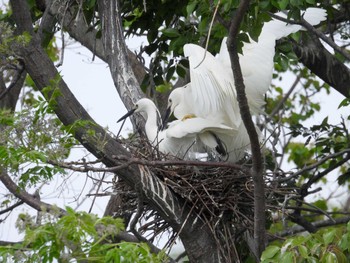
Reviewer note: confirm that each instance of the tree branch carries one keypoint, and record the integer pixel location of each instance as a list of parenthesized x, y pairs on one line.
[(319, 60), (127, 161), (196, 236), (116, 56), (317, 164), (257, 169), (28, 198), (75, 24), (11, 207), (325, 65), (9, 96), (326, 39), (323, 223), (315, 32)]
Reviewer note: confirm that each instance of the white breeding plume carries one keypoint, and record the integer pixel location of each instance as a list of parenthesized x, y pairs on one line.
[(183, 138), (257, 59), (211, 94)]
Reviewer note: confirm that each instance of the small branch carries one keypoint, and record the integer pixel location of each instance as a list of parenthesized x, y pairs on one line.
[(297, 229), (316, 32), (11, 207), (98, 188), (28, 198), (131, 161), (258, 167), (283, 100), (137, 216), (16, 78), (315, 165), (325, 172), (8, 243), (209, 32), (300, 220)]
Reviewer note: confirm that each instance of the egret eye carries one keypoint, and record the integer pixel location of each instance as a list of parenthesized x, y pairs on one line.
[(170, 100)]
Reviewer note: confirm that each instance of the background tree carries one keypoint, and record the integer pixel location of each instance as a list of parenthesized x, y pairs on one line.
[(213, 207)]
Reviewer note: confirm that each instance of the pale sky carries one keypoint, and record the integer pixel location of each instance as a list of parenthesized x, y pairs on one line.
[(92, 84)]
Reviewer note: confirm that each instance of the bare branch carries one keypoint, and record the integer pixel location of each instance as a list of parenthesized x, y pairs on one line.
[(315, 165), (284, 99), (117, 58), (298, 229), (316, 32), (257, 169), (11, 207), (28, 198), (127, 161)]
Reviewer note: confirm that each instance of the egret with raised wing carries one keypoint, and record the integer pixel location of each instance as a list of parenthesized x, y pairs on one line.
[(211, 94)]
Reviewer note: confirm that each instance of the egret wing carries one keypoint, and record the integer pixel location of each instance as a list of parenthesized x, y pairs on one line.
[(212, 85), (192, 127)]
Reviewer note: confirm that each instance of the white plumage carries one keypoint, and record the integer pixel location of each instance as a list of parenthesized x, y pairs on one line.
[(183, 137), (211, 94)]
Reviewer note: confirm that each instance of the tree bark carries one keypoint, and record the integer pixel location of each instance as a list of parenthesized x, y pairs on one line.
[(116, 56), (194, 233), (258, 244), (323, 64), (75, 24)]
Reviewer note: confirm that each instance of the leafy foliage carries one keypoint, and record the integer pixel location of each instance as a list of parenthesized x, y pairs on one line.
[(327, 245), (77, 236), (32, 137)]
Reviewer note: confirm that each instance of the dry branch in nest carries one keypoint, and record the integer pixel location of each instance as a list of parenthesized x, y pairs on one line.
[(221, 196)]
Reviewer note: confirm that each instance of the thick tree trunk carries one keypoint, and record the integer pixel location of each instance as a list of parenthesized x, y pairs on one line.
[(325, 65), (196, 236)]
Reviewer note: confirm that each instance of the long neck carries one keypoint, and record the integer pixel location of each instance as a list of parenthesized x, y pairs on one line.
[(151, 127)]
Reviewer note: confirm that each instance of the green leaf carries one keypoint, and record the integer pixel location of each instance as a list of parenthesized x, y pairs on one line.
[(287, 257), (170, 73), (270, 252), (283, 4), (191, 7), (296, 3), (311, 2), (321, 203), (303, 251), (181, 71), (163, 87), (329, 258), (345, 102), (328, 237), (171, 32)]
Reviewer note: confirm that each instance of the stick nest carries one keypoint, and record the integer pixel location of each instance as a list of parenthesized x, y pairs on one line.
[(222, 196)]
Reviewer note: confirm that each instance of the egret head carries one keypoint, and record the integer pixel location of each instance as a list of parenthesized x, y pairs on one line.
[(142, 105), (174, 99)]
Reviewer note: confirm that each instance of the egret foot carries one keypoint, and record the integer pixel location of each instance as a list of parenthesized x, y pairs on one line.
[(188, 116), (220, 147)]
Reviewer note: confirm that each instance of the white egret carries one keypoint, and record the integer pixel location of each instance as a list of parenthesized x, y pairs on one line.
[(183, 137), (236, 143), (211, 93)]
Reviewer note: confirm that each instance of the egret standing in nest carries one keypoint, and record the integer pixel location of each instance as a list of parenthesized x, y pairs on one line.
[(183, 137), (211, 94)]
